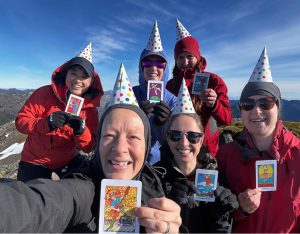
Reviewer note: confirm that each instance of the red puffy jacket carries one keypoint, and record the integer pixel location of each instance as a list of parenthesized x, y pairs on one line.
[(56, 148)]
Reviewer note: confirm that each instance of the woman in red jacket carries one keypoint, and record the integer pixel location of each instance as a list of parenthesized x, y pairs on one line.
[(263, 138), (213, 104), (54, 136)]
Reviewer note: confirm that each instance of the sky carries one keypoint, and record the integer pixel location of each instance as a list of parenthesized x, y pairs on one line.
[(37, 36)]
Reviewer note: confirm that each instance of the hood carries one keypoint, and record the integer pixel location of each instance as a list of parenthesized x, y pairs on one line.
[(147, 131), (91, 97), (143, 83)]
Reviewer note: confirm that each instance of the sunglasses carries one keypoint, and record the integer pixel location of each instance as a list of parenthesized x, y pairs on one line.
[(152, 63), (193, 137), (266, 103)]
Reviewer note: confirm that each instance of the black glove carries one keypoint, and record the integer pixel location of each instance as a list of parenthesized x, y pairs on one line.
[(161, 112), (77, 123), (147, 107), (182, 192), (57, 119), (225, 203)]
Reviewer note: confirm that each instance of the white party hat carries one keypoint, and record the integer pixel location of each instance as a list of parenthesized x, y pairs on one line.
[(184, 103), (262, 70), (181, 31), (154, 43), (122, 92), (86, 53)]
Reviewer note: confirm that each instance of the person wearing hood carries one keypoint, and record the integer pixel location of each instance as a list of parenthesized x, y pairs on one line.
[(213, 104), (55, 136), (182, 154), (72, 203), (153, 65), (263, 138)]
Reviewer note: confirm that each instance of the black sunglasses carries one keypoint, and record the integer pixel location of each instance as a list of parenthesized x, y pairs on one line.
[(193, 137), (266, 103)]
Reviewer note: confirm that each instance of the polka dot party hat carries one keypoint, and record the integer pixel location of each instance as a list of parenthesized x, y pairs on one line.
[(262, 70), (122, 92), (86, 53), (181, 31), (154, 43), (184, 103)]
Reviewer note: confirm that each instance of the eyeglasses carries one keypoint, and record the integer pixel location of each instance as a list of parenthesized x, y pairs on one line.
[(152, 63), (266, 103), (193, 137)]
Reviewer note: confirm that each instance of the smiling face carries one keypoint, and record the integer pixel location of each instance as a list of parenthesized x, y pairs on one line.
[(186, 60), (153, 72), (184, 152), (260, 122), (77, 80), (122, 144)]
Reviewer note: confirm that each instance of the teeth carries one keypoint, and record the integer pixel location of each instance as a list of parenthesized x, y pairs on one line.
[(258, 120), (123, 164)]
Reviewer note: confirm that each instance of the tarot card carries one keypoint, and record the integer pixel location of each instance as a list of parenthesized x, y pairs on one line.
[(206, 183), (266, 175), (155, 91), (74, 104), (118, 200), (200, 82)]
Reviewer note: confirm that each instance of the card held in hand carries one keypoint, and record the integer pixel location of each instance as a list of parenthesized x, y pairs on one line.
[(206, 183), (74, 104), (200, 82), (155, 91), (266, 175)]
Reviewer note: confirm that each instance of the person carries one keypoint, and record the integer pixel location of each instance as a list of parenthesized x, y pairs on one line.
[(263, 138), (72, 204), (54, 136), (153, 65), (181, 156), (213, 104)]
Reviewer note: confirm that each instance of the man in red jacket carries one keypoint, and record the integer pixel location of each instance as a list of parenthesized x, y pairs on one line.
[(213, 103), (55, 136)]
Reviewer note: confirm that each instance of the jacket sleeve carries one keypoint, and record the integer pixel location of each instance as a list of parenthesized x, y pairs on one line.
[(31, 118), (87, 140), (44, 205)]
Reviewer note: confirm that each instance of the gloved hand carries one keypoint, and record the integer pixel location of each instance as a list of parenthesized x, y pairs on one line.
[(147, 107), (77, 123), (182, 192), (57, 119), (225, 203), (161, 112)]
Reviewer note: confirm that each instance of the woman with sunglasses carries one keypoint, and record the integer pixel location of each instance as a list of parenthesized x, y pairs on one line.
[(263, 138), (213, 103), (153, 66), (181, 156)]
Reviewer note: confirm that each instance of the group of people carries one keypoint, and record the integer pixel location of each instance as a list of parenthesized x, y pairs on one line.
[(161, 144)]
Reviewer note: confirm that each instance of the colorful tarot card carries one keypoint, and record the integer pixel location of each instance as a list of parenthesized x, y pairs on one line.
[(118, 200), (74, 104), (206, 183), (155, 91), (266, 175), (200, 82)]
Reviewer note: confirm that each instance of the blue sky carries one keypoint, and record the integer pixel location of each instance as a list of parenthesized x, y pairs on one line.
[(37, 36)]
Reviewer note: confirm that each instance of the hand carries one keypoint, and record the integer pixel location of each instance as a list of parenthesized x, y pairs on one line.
[(209, 97), (161, 112), (225, 203), (249, 200), (57, 119), (161, 216), (147, 107), (182, 192), (77, 123)]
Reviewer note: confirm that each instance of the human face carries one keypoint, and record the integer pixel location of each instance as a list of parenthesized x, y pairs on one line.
[(186, 60), (258, 121), (77, 80), (153, 72), (184, 151), (122, 144)]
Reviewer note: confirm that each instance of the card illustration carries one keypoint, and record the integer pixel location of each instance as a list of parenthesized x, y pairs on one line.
[(117, 207), (200, 82), (206, 183), (74, 104), (155, 91), (266, 175)]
